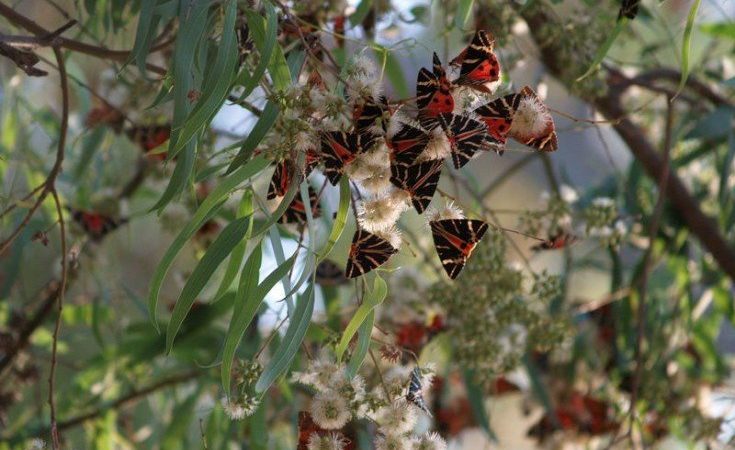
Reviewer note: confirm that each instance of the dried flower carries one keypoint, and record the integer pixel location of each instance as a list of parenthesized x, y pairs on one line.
[(330, 410), (238, 409), (392, 442), (396, 418), (331, 441)]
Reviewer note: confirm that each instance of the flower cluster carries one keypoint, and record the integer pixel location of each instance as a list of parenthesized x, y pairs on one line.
[(244, 402), (603, 221)]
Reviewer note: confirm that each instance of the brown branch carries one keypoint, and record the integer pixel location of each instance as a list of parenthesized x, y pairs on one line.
[(26, 23)]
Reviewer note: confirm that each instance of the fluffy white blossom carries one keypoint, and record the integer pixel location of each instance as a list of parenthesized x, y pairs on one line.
[(438, 146), (568, 193), (330, 410), (429, 441), (331, 441), (392, 235), (240, 408), (603, 202), (392, 442), (449, 211), (531, 119), (380, 214), (396, 418)]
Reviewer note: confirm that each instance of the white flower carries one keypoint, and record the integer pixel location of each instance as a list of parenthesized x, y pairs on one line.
[(304, 141), (379, 214), (396, 418), (238, 410), (330, 410), (37, 444), (603, 232), (392, 235), (603, 202), (321, 373), (531, 119), (430, 441), (450, 211), (331, 441), (568, 194), (620, 227), (392, 442), (438, 146)]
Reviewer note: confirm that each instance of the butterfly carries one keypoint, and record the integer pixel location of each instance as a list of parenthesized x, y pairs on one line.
[(415, 395), (455, 239), (478, 64), (281, 179), (419, 180), (526, 119), (368, 111), (466, 136), (150, 137), (556, 241), (629, 9), (340, 148), (407, 144), (367, 252), (433, 94), (96, 225), (296, 211), (498, 117)]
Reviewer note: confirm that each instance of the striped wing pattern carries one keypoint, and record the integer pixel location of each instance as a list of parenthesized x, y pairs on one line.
[(419, 180), (455, 239), (415, 395), (340, 148), (433, 94), (466, 136), (407, 144), (479, 63), (285, 169), (296, 211), (498, 117), (367, 252), (366, 114)]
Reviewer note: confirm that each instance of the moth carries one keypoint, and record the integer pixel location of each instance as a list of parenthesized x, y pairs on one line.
[(533, 124), (149, 138), (367, 252), (556, 241), (96, 225), (407, 144), (285, 169), (415, 395), (419, 180), (455, 239), (296, 211), (479, 67), (498, 118), (370, 115), (433, 94), (466, 137), (340, 148)]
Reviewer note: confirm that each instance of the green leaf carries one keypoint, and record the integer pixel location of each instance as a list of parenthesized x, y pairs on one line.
[(463, 13), (719, 29), (477, 404), (361, 12), (217, 82), (538, 387), (238, 253), (205, 212), (247, 301), (291, 342), (216, 253), (395, 74), (372, 300), (264, 36), (261, 128), (363, 345), (277, 247), (686, 42), (604, 48), (147, 25), (340, 219)]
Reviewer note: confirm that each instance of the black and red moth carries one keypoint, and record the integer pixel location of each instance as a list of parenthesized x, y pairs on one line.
[(498, 117), (433, 94), (406, 145), (419, 180), (466, 137), (478, 64), (150, 137), (556, 241), (281, 179), (296, 211), (96, 225), (340, 148), (368, 111), (367, 252), (455, 239)]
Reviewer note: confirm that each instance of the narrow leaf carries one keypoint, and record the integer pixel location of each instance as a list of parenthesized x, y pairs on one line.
[(340, 219), (463, 13), (372, 299), (363, 345), (604, 48), (685, 46), (238, 253)]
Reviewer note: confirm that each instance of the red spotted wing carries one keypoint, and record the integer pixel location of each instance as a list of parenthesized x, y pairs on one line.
[(556, 241), (96, 225), (466, 137), (419, 180), (296, 211), (150, 137), (407, 144), (455, 239), (285, 169), (369, 113), (340, 148), (433, 94), (478, 63), (498, 117), (367, 252)]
